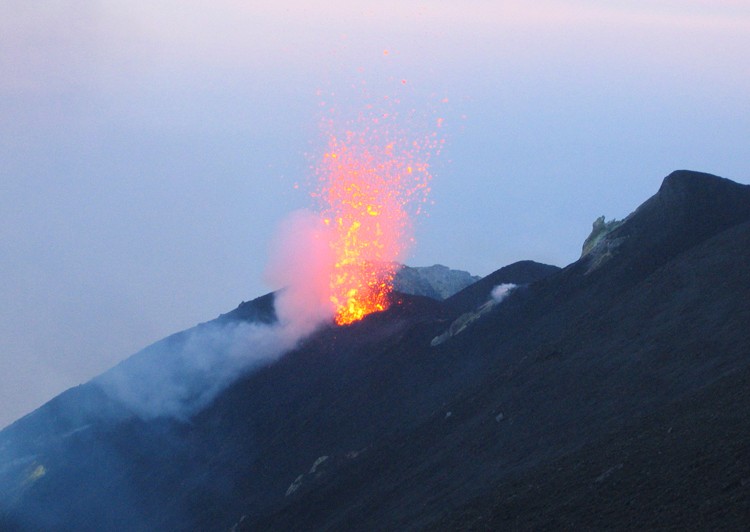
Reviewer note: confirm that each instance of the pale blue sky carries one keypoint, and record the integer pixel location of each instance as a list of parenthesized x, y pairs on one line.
[(148, 150)]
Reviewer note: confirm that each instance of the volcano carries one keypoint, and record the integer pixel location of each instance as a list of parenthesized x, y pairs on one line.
[(612, 393)]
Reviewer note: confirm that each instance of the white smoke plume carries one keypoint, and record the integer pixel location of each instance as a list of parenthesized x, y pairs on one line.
[(501, 291), (301, 264), (182, 374)]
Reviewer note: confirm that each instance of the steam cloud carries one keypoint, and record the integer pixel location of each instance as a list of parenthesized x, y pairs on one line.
[(182, 374), (501, 291), (302, 262)]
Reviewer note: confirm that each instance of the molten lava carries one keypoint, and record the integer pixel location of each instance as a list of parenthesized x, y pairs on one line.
[(366, 190)]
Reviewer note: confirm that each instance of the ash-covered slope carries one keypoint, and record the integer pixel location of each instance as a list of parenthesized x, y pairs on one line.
[(610, 393)]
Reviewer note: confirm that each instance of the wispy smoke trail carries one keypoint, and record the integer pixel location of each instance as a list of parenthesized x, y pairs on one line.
[(502, 291), (178, 376), (182, 374)]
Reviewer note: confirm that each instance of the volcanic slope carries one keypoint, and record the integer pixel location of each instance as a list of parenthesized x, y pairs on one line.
[(610, 394), (87, 461)]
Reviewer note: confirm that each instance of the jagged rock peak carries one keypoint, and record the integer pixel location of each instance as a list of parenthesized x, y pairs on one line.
[(693, 198), (686, 189), (437, 281), (692, 181)]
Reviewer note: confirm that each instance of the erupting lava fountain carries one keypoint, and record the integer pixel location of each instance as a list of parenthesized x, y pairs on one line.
[(370, 186)]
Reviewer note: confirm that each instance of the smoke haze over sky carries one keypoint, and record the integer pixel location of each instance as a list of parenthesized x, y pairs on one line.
[(149, 150)]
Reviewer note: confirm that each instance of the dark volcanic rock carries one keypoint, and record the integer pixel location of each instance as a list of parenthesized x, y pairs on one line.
[(610, 394), (260, 310)]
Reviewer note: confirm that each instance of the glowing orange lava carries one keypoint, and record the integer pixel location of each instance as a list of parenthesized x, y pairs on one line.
[(366, 189)]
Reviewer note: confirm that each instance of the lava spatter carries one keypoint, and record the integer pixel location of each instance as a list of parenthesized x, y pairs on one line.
[(369, 191)]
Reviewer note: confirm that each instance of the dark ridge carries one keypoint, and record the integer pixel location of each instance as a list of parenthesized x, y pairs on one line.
[(261, 310), (520, 273), (409, 306), (688, 208), (691, 205)]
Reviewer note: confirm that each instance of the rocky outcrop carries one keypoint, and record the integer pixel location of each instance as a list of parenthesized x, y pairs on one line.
[(438, 281), (599, 231)]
